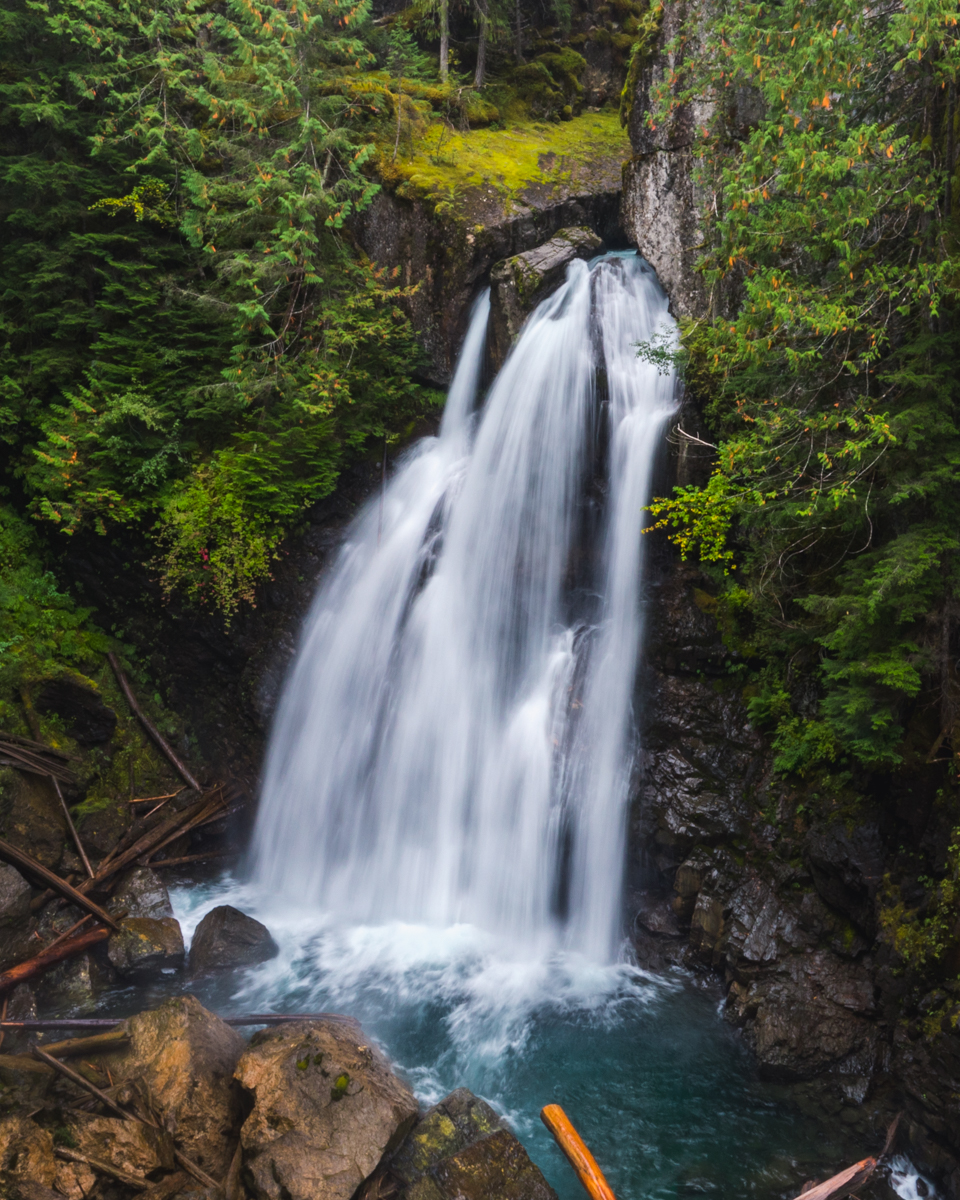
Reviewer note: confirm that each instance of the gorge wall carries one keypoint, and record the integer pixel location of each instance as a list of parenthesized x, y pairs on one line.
[(739, 873)]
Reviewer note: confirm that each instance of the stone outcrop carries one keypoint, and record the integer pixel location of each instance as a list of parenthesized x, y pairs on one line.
[(228, 938), (449, 259), (326, 1109), (781, 904), (518, 284), (460, 1149)]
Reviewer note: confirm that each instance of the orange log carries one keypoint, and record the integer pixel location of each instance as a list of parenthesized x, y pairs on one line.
[(46, 958), (572, 1144), (842, 1184)]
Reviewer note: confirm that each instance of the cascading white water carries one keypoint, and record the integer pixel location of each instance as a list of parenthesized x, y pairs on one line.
[(455, 741)]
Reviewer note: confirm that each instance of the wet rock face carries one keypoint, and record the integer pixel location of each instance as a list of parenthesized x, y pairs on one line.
[(185, 1057), (144, 947), (460, 1149), (451, 260), (141, 893), (228, 938), (326, 1108), (518, 284), (780, 902)]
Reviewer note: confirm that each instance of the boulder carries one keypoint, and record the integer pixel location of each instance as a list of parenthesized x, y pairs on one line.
[(86, 718), (141, 893), (31, 817), (145, 946), (450, 1126), (185, 1056), (75, 984), (326, 1109), (15, 895), (460, 1149), (518, 284), (128, 1145), (495, 1168), (227, 938)]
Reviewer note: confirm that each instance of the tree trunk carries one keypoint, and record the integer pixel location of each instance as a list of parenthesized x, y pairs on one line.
[(444, 39), (519, 31), (481, 71)]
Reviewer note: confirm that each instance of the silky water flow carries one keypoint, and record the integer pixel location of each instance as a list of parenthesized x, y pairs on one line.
[(439, 846)]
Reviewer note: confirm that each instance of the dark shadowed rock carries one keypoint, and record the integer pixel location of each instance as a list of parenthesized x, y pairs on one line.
[(185, 1056), (227, 938), (142, 893), (15, 895), (326, 1108), (86, 717), (518, 284), (31, 817), (461, 1149), (144, 946)]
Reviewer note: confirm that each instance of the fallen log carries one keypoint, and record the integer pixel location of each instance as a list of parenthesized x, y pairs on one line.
[(105, 1168), (73, 829), (47, 958), (35, 757), (97, 1043), (191, 858), (26, 862), (36, 1025), (152, 731), (573, 1146), (157, 837), (842, 1184), (23, 1062)]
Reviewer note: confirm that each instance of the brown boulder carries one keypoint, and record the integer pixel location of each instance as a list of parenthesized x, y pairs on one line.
[(326, 1109), (26, 1154), (127, 1145), (185, 1057)]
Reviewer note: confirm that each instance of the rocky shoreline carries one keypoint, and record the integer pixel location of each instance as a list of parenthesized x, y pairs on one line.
[(180, 1106)]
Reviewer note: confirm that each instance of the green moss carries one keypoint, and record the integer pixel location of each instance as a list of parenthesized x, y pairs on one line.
[(339, 1089), (445, 165)]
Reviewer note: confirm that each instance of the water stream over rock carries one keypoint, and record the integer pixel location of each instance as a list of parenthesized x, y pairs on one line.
[(439, 847)]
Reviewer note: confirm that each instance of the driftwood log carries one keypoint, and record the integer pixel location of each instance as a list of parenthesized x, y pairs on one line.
[(573, 1146), (49, 957), (152, 731), (844, 1183), (43, 1026)]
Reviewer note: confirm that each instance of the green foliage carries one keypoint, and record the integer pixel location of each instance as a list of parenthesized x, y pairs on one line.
[(186, 341), (828, 358), (920, 935), (42, 630)]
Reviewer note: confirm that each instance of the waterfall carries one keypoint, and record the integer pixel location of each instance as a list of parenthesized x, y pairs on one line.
[(455, 742)]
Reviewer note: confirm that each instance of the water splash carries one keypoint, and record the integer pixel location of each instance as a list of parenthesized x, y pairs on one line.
[(454, 745)]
